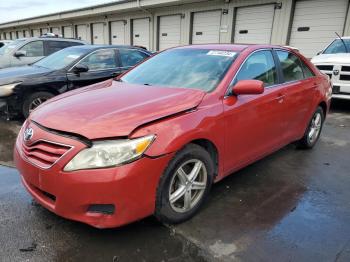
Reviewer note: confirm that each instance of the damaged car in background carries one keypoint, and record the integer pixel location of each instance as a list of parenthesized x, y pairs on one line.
[(24, 88)]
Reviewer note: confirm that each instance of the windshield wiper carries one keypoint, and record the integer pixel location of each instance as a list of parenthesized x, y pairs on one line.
[(342, 40)]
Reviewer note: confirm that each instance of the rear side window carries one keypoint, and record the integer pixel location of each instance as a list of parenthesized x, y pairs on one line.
[(129, 57), (291, 66), (259, 66), (54, 46), (307, 71), (33, 49)]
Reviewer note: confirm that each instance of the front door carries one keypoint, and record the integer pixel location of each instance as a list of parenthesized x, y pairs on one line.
[(254, 123), (102, 65)]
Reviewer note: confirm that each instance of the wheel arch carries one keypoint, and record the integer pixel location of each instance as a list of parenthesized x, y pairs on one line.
[(211, 148)]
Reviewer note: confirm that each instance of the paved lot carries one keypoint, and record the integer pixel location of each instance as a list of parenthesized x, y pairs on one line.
[(291, 206)]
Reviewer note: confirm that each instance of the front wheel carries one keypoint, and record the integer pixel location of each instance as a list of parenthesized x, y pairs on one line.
[(184, 185), (313, 131), (33, 101)]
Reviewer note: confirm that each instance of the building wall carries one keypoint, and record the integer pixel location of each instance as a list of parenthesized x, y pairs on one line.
[(129, 10)]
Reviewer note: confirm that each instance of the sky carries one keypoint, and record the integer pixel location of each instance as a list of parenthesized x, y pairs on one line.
[(11, 10)]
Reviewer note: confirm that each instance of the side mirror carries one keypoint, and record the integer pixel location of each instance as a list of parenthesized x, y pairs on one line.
[(248, 87), (20, 53), (80, 69)]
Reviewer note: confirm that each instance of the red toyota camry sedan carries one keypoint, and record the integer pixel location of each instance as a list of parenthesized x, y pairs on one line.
[(154, 140)]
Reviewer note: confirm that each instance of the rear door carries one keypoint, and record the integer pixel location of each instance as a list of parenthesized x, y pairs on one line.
[(255, 123), (34, 51), (103, 64), (300, 84)]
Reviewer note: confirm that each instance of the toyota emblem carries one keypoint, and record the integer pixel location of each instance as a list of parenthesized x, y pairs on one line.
[(28, 134)]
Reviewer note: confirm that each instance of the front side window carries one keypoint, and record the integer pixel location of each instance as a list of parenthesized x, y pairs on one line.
[(291, 66), (259, 66), (129, 57), (101, 59), (33, 49), (186, 68)]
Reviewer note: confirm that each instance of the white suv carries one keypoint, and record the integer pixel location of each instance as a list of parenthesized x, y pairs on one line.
[(334, 61)]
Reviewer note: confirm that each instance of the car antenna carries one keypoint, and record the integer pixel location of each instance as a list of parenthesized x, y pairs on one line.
[(342, 40)]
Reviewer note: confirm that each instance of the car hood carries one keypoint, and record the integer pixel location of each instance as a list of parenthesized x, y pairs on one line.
[(113, 109), (331, 59), (21, 73)]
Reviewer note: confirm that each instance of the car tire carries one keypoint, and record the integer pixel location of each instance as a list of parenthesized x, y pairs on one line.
[(34, 100), (313, 131), (171, 206)]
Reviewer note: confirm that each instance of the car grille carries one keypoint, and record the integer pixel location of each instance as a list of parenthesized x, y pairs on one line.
[(325, 67), (44, 153)]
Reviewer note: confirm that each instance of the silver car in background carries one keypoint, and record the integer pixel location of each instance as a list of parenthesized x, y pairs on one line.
[(26, 51)]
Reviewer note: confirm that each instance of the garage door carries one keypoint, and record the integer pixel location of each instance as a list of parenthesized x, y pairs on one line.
[(55, 30), (26, 33), (140, 34), (35, 32), (206, 27), (169, 31), (82, 32), (314, 24), (118, 33), (98, 34), (44, 31), (68, 32), (253, 24), (20, 34)]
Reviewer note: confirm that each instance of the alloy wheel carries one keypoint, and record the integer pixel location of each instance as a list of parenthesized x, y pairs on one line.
[(315, 128), (36, 102), (188, 185)]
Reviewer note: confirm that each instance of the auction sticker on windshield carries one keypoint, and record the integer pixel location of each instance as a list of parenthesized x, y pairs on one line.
[(221, 53)]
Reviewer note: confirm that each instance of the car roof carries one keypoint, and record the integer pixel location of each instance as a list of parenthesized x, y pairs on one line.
[(52, 39), (95, 47), (230, 47)]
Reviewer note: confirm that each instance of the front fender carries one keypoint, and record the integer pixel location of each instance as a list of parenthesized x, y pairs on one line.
[(175, 132)]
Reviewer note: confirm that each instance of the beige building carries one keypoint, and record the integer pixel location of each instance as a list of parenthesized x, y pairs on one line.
[(308, 25)]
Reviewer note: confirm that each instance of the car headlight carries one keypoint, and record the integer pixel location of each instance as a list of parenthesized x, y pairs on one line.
[(6, 90), (110, 153)]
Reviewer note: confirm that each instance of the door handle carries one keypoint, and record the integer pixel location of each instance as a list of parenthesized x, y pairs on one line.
[(280, 98)]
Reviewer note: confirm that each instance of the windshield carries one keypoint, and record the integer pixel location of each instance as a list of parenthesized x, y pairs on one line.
[(338, 47), (10, 47), (187, 68), (61, 59)]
